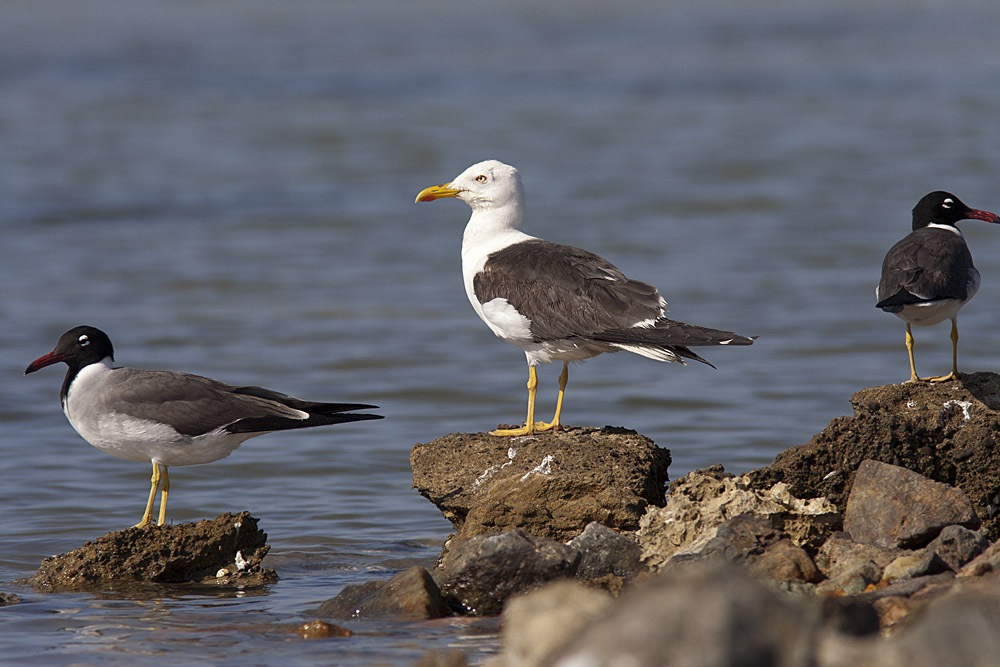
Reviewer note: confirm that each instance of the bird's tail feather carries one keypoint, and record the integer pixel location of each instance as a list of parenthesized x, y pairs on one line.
[(668, 340)]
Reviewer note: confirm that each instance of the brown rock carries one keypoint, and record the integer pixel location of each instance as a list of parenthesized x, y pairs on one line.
[(411, 594), (227, 551), (552, 484), (893, 507), (840, 553), (984, 563), (948, 432), (703, 500)]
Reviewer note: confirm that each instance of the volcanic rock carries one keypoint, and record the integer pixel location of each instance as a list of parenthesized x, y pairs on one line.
[(225, 551), (551, 484), (947, 431), (411, 594), (893, 507)]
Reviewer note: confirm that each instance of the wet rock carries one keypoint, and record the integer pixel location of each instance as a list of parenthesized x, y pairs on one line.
[(535, 624), (957, 545), (696, 615), (322, 630), (552, 484), (607, 553), (225, 551), (479, 573), (703, 500), (948, 432), (8, 599), (411, 594), (890, 506)]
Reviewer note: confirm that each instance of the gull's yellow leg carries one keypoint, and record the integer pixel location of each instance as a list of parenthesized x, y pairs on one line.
[(154, 484), (954, 357), (555, 424), (164, 489), (529, 424)]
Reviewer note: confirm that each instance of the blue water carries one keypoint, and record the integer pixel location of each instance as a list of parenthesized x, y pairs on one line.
[(227, 189)]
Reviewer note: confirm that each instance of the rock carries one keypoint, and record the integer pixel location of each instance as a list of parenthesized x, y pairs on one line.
[(840, 553), (957, 545), (847, 615), (225, 551), (954, 629), (411, 594), (890, 506), (607, 553), (766, 552), (892, 609), (701, 501), (552, 484), (8, 599), (322, 630), (984, 563), (947, 431), (480, 572), (908, 566), (711, 616), (535, 624), (856, 577)]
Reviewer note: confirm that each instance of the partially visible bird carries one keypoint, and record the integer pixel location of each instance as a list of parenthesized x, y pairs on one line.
[(556, 302), (928, 276), (169, 418)]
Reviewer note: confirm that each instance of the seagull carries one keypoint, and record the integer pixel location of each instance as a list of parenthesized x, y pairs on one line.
[(928, 276), (169, 418), (556, 302)]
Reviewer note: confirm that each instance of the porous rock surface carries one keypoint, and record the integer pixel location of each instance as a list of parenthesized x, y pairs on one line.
[(226, 551), (949, 432), (551, 484)]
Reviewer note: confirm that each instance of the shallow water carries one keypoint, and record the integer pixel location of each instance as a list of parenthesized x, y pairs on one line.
[(227, 189)]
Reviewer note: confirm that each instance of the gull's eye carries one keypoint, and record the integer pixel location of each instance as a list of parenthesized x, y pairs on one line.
[(947, 203), (83, 340), (481, 178)]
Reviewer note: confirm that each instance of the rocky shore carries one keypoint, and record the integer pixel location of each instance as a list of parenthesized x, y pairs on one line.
[(876, 543), (873, 544)]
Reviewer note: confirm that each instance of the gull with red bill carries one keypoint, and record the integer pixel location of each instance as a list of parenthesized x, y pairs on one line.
[(168, 418), (928, 276)]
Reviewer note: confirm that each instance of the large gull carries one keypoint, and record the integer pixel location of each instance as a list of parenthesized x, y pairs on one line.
[(556, 302)]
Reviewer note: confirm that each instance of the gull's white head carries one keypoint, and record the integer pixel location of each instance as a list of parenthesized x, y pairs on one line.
[(485, 185)]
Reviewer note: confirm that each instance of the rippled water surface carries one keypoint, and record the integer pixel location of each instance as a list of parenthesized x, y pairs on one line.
[(227, 188)]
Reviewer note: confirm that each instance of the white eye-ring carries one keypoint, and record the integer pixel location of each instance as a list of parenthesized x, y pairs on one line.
[(84, 340), (947, 203)]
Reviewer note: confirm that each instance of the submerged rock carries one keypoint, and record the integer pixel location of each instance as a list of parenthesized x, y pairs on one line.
[(227, 551), (947, 431), (551, 484)]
